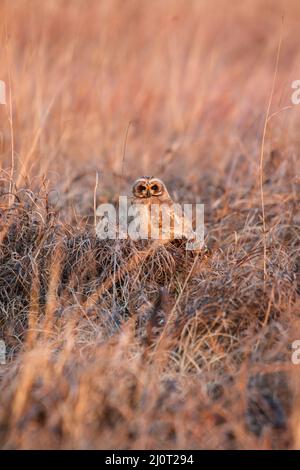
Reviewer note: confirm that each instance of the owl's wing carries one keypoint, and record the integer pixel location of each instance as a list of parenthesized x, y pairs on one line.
[(170, 221), (177, 224), (183, 228)]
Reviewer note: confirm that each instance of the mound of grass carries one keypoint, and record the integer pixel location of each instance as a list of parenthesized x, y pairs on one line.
[(123, 344)]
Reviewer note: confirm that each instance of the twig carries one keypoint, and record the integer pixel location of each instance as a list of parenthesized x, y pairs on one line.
[(267, 118), (95, 199)]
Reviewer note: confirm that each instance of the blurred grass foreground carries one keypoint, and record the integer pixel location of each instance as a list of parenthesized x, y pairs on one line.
[(176, 353)]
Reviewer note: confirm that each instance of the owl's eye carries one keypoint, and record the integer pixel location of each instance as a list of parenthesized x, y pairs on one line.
[(155, 187), (141, 188)]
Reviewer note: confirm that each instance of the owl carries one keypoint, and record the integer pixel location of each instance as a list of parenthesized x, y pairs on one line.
[(158, 216)]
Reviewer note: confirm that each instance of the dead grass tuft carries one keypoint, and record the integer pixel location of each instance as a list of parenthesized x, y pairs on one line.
[(119, 344)]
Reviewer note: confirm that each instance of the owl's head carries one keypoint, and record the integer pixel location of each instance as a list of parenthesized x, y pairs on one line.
[(147, 186)]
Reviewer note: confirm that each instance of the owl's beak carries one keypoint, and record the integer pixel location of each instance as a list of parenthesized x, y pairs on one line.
[(148, 191)]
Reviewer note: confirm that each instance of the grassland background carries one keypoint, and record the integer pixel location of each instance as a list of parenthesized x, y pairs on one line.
[(193, 77)]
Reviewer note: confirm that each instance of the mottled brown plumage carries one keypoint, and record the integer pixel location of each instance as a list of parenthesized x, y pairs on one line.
[(156, 208)]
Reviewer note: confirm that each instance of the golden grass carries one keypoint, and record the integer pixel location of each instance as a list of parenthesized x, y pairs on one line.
[(116, 344)]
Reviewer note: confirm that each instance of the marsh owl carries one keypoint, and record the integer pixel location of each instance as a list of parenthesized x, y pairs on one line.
[(159, 217)]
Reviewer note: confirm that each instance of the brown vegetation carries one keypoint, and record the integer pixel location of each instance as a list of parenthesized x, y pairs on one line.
[(178, 351)]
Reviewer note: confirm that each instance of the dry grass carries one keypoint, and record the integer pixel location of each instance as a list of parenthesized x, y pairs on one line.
[(173, 352)]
